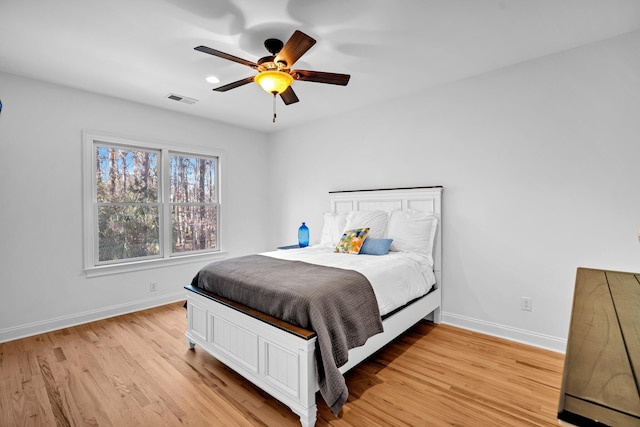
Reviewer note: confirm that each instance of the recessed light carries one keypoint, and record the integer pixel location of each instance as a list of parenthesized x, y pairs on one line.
[(212, 79)]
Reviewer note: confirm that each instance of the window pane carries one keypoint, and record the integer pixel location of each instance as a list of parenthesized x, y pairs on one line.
[(194, 228), (193, 179), (126, 176), (128, 232)]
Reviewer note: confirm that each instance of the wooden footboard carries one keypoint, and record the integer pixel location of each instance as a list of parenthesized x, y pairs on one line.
[(279, 357), (278, 361)]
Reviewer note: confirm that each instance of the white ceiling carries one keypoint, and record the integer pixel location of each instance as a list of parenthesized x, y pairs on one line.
[(142, 50)]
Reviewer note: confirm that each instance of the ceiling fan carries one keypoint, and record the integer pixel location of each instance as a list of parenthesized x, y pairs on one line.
[(274, 71)]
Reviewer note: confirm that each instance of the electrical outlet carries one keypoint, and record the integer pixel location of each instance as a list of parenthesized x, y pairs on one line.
[(525, 303), (153, 286)]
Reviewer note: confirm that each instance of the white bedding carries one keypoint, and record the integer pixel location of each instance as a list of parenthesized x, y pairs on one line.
[(396, 278)]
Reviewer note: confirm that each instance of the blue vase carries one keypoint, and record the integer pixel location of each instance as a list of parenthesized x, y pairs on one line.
[(303, 236)]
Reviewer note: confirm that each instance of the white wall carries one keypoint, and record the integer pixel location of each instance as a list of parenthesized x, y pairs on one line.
[(41, 281), (540, 165)]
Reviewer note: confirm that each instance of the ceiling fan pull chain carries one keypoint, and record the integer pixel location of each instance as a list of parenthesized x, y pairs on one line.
[(274, 107)]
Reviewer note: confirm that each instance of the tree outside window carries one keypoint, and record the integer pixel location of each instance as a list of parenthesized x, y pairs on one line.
[(127, 202), (194, 209)]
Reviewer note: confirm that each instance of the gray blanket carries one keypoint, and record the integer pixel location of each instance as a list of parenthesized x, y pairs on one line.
[(339, 305)]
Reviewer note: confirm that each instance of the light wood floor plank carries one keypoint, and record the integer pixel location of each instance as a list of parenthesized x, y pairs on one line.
[(137, 370)]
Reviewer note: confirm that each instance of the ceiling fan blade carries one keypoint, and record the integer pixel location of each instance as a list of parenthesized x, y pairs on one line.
[(321, 77), (223, 55), (295, 47), (234, 85), (289, 96)]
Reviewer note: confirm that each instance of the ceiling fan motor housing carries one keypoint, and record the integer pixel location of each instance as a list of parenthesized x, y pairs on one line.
[(268, 63), (274, 46)]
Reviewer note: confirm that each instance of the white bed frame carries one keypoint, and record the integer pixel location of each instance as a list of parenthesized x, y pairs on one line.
[(283, 363)]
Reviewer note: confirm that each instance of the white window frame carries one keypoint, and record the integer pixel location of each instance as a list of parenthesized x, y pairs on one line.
[(90, 217)]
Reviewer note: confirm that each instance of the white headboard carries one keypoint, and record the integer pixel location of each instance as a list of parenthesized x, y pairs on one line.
[(427, 199)]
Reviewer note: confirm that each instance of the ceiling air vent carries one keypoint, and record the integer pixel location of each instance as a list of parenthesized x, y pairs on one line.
[(181, 98)]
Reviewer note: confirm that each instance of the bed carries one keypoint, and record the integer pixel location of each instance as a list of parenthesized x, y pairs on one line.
[(280, 357)]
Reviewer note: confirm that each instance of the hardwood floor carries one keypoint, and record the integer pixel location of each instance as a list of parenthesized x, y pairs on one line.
[(136, 370)]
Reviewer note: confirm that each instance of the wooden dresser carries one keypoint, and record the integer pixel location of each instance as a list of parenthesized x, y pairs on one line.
[(602, 363)]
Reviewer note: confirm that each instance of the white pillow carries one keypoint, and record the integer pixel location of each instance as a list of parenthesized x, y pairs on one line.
[(375, 221), (332, 228), (412, 231)]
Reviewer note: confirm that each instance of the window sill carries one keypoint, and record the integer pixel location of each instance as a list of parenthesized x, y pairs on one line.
[(105, 270)]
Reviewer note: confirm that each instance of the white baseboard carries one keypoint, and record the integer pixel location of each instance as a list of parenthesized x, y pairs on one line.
[(548, 342), (507, 332), (30, 329)]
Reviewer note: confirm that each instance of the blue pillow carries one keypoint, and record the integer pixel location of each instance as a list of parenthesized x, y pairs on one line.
[(375, 246)]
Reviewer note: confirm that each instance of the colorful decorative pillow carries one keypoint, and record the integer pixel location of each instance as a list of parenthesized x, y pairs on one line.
[(352, 241), (373, 246)]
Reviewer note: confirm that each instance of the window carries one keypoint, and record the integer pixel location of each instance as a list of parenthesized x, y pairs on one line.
[(194, 210), (127, 201), (146, 202)]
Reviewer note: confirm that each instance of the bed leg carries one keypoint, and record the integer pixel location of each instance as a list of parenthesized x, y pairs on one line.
[(309, 419), (437, 315), (191, 344)]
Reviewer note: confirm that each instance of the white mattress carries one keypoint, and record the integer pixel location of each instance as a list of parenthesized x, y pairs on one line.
[(396, 278)]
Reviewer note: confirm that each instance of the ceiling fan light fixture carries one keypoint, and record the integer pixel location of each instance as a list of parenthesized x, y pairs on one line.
[(274, 82)]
